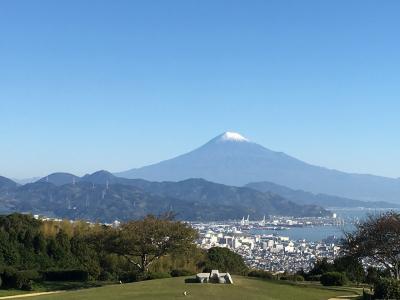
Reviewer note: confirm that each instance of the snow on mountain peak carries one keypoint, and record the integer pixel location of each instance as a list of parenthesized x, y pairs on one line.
[(233, 137)]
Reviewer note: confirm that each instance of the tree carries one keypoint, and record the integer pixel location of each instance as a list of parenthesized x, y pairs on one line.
[(378, 240), (225, 260), (144, 241), (351, 267), (321, 266)]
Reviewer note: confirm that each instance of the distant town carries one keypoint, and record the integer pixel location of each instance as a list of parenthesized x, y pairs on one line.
[(274, 252)]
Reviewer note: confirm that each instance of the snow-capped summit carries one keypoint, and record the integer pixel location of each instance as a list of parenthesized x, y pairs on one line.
[(232, 136)]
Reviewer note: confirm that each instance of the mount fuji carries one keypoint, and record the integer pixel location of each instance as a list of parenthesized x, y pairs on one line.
[(232, 159)]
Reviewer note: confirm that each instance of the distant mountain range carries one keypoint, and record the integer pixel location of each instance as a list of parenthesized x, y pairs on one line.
[(6, 183), (166, 188), (105, 197), (326, 201), (251, 180), (23, 181), (234, 160)]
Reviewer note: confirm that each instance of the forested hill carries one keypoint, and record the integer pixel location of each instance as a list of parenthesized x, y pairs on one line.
[(104, 197)]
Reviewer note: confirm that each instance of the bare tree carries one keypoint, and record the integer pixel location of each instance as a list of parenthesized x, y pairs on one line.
[(378, 240)]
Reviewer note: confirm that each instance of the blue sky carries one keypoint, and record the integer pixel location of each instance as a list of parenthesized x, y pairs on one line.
[(88, 85)]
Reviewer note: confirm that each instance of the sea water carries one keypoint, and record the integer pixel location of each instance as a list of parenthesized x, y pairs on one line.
[(350, 217)]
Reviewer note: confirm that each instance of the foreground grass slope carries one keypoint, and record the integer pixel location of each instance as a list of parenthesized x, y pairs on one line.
[(173, 288)]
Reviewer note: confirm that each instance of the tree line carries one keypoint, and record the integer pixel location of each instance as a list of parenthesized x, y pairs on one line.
[(33, 250)]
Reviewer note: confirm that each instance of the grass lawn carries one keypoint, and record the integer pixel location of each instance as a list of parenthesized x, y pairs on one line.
[(173, 288), (4, 293), (66, 285)]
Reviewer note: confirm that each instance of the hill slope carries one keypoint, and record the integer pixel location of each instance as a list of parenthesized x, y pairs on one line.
[(232, 159), (6, 183)]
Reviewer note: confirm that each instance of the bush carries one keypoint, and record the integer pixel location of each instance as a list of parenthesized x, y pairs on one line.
[(66, 275), (106, 276), (27, 285), (294, 277), (260, 274), (132, 276), (387, 288), (298, 278), (333, 279), (157, 275), (180, 272), (31, 275), (12, 279), (313, 278)]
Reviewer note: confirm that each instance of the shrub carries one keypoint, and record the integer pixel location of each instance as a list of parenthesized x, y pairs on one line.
[(106, 276), (387, 288), (131, 276), (27, 285), (180, 272), (333, 279), (66, 275), (31, 275), (157, 275), (12, 279), (260, 274), (298, 277), (313, 278), (294, 277)]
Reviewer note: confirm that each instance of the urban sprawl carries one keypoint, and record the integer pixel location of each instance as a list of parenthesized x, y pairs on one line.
[(272, 252)]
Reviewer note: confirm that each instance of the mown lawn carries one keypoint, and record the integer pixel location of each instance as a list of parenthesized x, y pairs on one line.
[(4, 293), (173, 288)]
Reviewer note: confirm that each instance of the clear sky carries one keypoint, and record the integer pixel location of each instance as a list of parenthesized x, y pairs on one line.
[(88, 85)]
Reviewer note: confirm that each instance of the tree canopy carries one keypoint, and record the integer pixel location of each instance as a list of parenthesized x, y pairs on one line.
[(143, 242), (377, 239), (225, 260)]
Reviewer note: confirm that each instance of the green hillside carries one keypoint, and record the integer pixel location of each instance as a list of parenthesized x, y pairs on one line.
[(173, 288)]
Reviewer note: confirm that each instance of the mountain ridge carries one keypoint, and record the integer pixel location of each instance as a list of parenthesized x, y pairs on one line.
[(102, 196), (324, 200)]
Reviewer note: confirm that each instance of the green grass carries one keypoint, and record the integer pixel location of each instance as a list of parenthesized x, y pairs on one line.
[(4, 293), (46, 286), (173, 288)]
